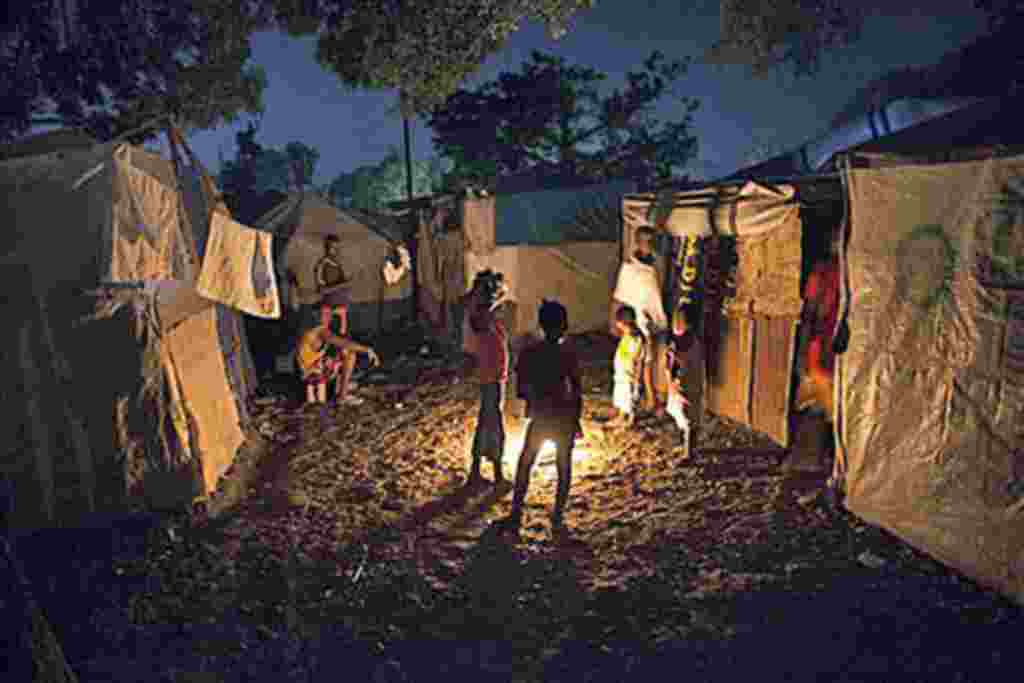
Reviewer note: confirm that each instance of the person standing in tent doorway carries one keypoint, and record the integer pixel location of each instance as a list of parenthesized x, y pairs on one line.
[(317, 368), (491, 349), (550, 383), (333, 288), (637, 287)]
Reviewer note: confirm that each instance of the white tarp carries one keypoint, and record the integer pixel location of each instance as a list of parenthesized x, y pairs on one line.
[(743, 211), (931, 388)]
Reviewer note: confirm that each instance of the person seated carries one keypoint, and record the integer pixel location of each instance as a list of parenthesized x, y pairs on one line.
[(317, 367)]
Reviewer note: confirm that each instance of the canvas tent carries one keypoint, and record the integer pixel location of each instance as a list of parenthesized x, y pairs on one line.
[(302, 221), (125, 386), (560, 244)]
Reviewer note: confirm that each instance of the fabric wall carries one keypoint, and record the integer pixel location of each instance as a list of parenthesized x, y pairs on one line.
[(578, 274), (83, 436), (305, 224), (931, 388)]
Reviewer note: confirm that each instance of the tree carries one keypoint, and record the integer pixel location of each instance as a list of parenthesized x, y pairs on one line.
[(555, 117), (257, 170), (372, 188), (113, 66), (422, 48), (795, 35)]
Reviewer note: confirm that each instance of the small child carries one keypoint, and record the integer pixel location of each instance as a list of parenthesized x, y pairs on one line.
[(678, 350), (316, 366), (628, 367)]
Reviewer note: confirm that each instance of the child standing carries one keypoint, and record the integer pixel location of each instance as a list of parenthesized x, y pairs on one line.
[(492, 352), (678, 351), (491, 348), (550, 382), (628, 367), (316, 366)]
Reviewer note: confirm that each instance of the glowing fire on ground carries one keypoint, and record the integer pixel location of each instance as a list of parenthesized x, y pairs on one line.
[(545, 464)]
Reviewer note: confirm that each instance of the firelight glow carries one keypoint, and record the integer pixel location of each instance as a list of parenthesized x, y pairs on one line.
[(545, 462)]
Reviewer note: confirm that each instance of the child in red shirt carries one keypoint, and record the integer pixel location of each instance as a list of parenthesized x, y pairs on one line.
[(492, 354)]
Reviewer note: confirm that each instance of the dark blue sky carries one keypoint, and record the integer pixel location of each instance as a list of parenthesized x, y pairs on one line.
[(307, 104)]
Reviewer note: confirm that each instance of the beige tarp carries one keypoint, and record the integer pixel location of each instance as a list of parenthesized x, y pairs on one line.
[(478, 223), (238, 268), (112, 402), (440, 270), (303, 221), (931, 390), (768, 272), (578, 274)]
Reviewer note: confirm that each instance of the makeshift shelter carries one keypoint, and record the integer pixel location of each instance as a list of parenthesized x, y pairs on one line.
[(929, 381), (556, 244), (751, 245), (367, 243), (930, 419), (127, 367)]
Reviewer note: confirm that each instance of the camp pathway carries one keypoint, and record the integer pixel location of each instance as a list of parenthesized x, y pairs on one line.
[(399, 461), (358, 521)]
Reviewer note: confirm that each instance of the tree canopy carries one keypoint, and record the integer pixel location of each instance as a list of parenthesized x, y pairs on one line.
[(256, 170), (794, 35), (557, 117), (373, 187), (111, 66), (422, 48)]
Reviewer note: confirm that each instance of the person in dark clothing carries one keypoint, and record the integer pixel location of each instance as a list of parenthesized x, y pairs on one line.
[(550, 383)]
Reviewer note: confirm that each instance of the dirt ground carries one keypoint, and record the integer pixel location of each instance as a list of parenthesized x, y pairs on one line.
[(357, 551)]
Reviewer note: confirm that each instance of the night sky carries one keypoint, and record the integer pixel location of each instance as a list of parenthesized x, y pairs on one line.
[(307, 104)]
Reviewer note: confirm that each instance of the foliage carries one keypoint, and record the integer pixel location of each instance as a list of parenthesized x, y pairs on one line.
[(791, 33), (372, 187), (555, 116), (111, 67), (256, 169), (422, 48), (795, 35)]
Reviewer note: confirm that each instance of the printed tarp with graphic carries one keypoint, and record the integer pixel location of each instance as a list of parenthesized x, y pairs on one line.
[(931, 389)]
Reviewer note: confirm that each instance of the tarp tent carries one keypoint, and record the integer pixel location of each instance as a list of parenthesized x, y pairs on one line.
[(751, 242), (302, 222), (931, 389), (125, 387), (557, 244)]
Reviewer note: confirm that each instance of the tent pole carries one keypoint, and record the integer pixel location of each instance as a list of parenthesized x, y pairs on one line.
[(413, 217)]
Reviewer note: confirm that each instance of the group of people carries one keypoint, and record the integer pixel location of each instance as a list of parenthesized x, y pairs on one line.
[(325, 353), (549, 380), (548, 371)]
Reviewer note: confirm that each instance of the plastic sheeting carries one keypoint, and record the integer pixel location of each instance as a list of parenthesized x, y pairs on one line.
[(112, 411), (743, 211), (303, 221), (238, 268), (578, 274), (931, 388)]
